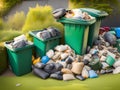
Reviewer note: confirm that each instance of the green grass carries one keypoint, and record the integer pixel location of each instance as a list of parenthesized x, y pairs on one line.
[(31, 82)]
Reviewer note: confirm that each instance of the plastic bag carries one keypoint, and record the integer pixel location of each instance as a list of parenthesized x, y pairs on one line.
[(67, 77), (117, 63), (85, 73), (110, 38), (61, 48), (58, 13), (39, 72), (49, 67), (77, 67), (58, 66), (117, 70), (53, 31), (19, 44), (21, 37), (64, 56), (50, 53), (43, 35), (56, 76), (66, 71)]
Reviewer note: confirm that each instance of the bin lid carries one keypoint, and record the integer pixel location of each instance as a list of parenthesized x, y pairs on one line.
[(94, 12), (77, 21), (33, 33), (18, 49)]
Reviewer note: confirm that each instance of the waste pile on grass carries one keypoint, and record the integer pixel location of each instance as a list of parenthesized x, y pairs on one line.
[(63, 64)]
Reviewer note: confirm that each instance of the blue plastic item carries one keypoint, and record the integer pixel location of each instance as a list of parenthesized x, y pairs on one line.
[(117, 31), (92, 74), (45, 59)]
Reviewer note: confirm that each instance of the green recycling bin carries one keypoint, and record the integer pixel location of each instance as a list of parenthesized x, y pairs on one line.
[(94, 28), (42, 46), (3, 59), (20, 59), (76, 33)]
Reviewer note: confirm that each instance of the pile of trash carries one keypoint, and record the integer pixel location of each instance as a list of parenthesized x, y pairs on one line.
[(18, 42), (63, 64), (73, 13), (48, 33)]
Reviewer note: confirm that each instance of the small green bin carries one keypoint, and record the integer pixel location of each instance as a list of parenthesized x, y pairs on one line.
[(3, 59), (76, 33), (94, 28), (20, 59), (42, 46)]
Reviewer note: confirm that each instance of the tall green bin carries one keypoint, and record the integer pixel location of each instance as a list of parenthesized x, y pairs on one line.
[(3, 58), (76, 33), (20, 59), (42, 46), (94, 28)]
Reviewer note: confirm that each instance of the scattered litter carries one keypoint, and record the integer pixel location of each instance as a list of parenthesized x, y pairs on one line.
[(18, 84)]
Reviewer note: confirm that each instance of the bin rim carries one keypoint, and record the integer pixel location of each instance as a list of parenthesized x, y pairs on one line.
[(32, 33), (77, 21), (18, 49), (94, 12)]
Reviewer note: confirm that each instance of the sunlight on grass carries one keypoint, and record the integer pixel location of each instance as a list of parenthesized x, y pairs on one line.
[(67, 87), (31, 82)]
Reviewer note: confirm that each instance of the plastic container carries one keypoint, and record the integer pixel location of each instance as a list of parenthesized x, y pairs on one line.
[(113, 32), (20, 59), (76, 33), (94, 28), (42, 46), (95, 64), (110, 60), (3, 59), (117, 31)]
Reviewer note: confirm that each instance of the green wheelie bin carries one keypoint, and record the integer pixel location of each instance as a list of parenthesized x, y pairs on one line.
[(94, 28), (20, 59), (42, 46), (76, 33)]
